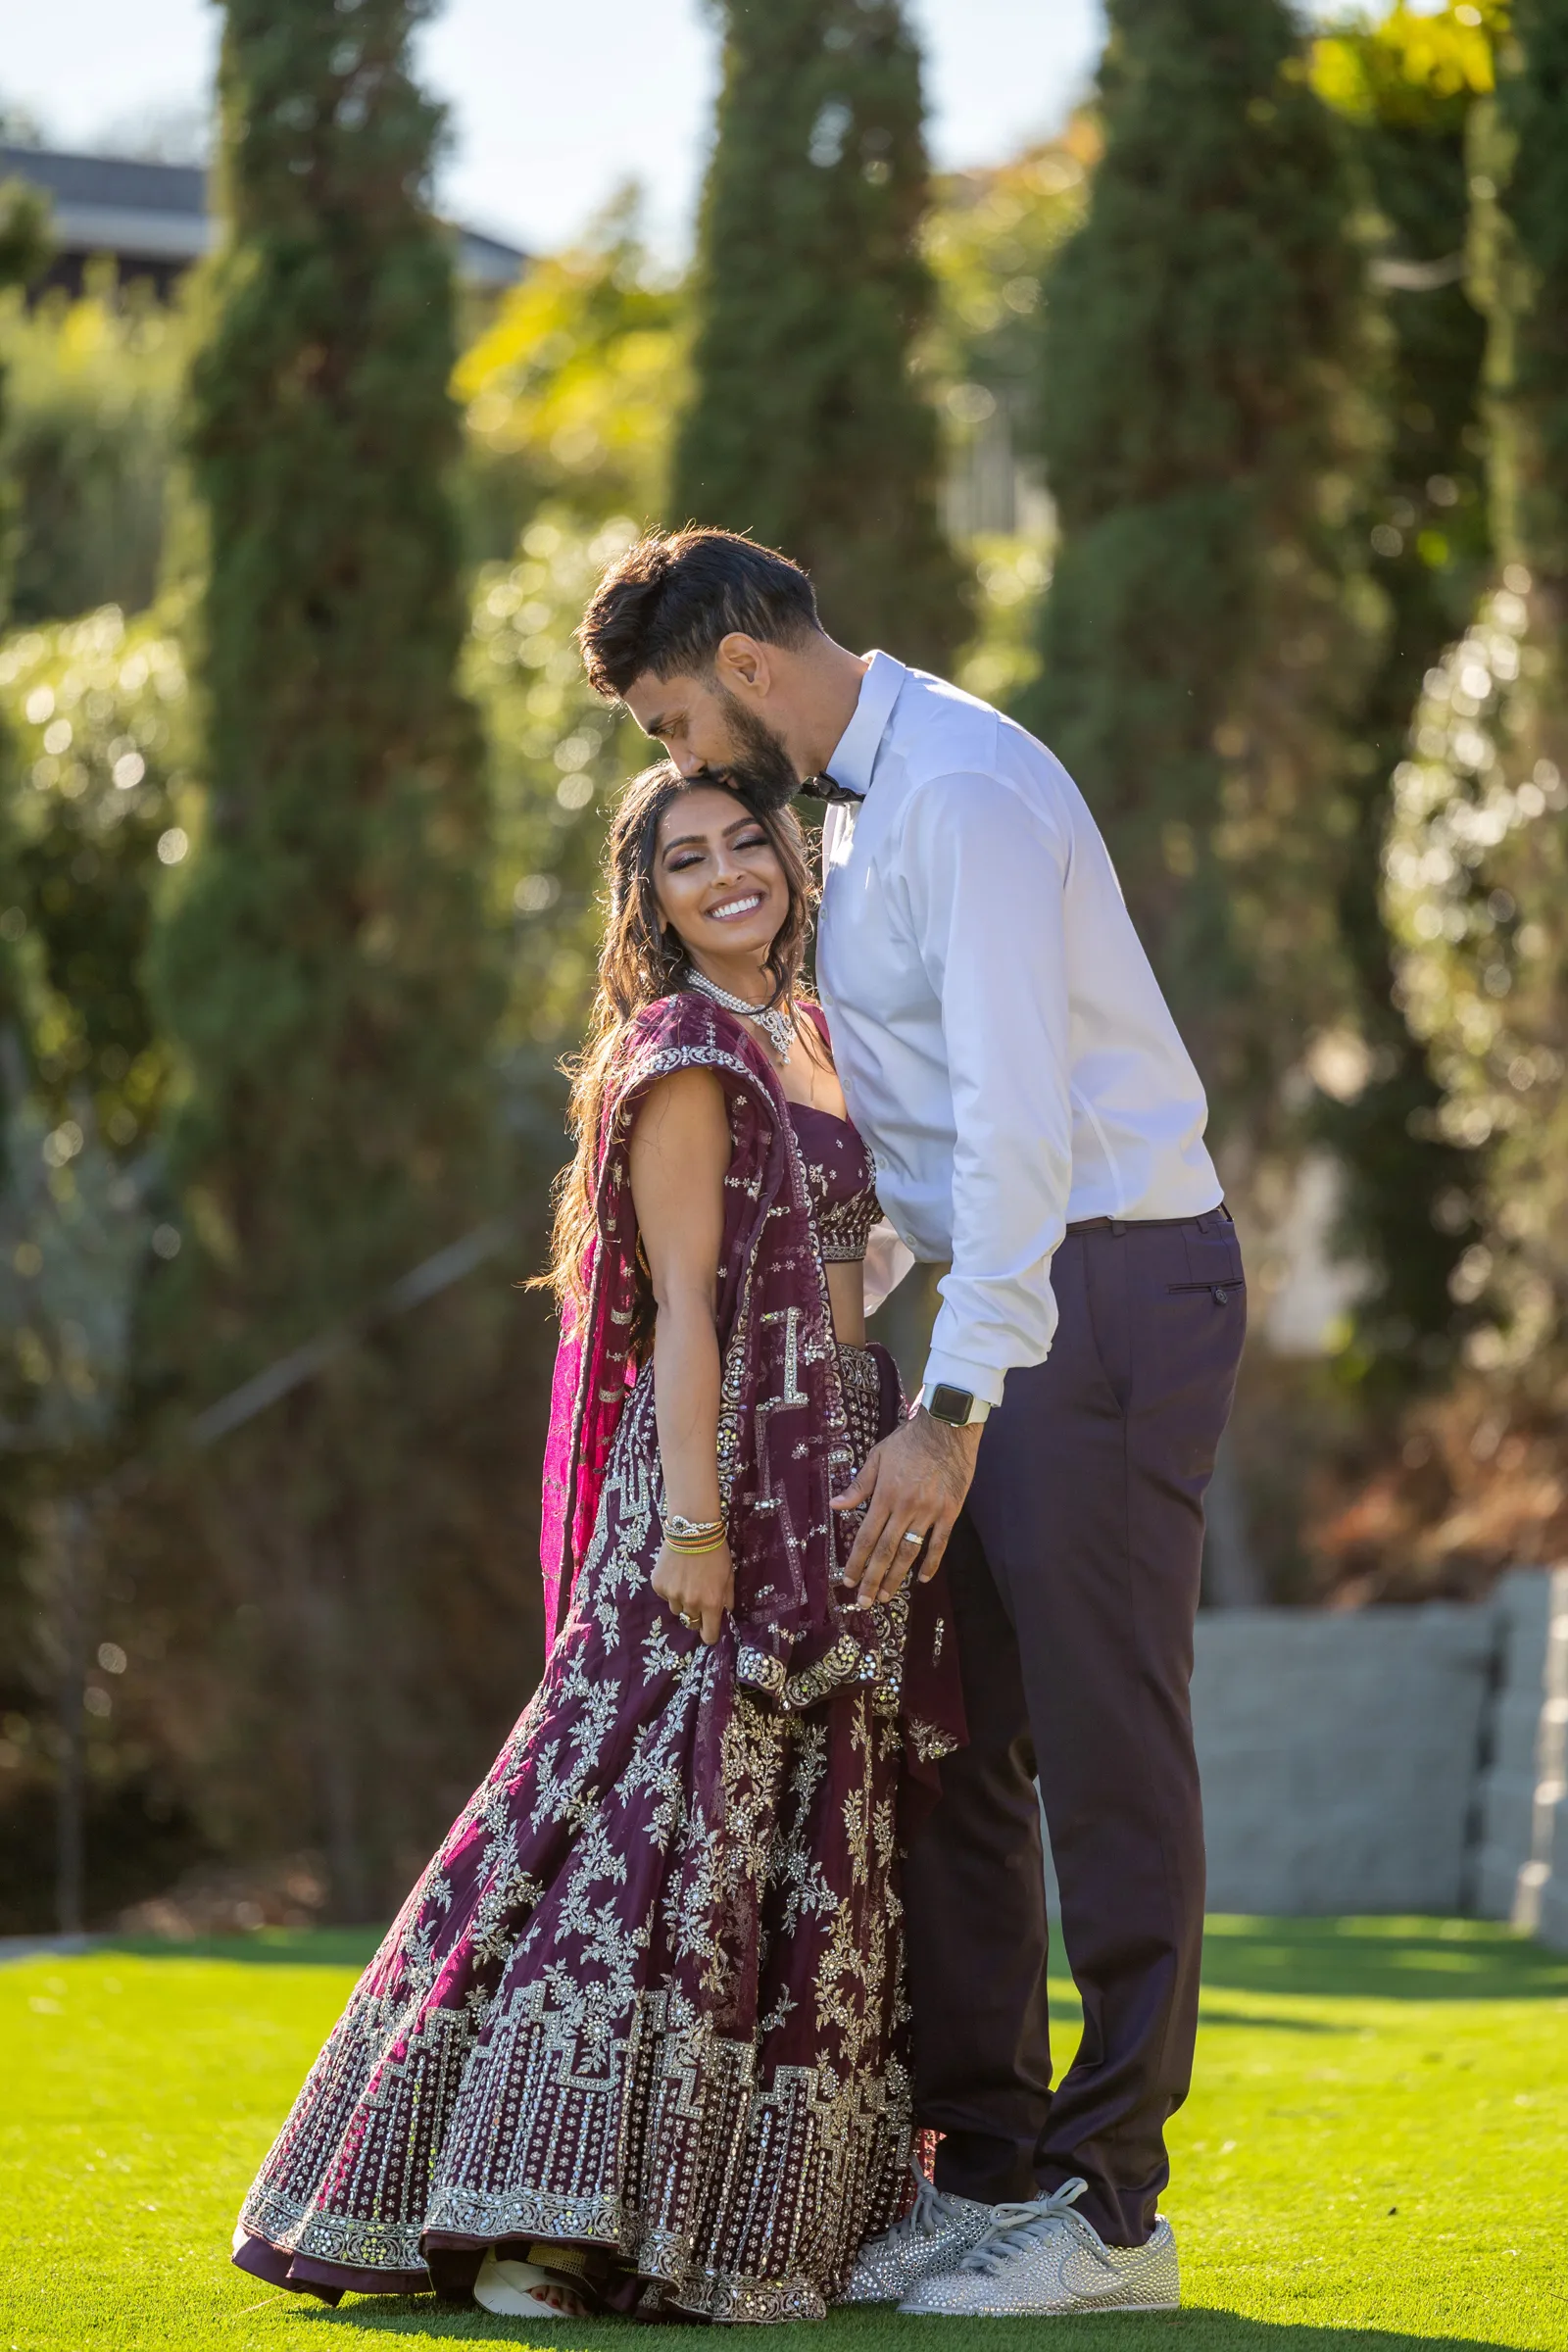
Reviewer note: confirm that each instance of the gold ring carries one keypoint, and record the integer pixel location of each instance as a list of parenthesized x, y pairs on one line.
[(909, 1535)]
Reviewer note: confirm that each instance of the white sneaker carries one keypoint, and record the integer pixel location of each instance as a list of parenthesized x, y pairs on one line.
[(523, 2291), (933, 2236), (1041, 2259)]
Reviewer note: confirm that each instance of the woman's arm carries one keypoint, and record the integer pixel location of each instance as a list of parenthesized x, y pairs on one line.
[(680, 1154)]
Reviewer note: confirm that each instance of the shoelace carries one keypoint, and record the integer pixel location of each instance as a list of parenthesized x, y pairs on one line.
[(924, 2216), (1015, 2225)]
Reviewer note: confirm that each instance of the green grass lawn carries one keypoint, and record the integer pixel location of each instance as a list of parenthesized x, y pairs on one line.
[(1375, 2155)]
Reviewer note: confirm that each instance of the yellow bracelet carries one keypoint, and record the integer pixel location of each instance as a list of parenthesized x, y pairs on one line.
[(693, 1550)]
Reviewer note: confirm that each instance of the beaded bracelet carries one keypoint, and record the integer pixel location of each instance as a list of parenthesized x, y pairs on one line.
[(691, 1531)]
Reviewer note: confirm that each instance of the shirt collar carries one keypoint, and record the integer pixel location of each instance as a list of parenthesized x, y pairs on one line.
[(855, 760)]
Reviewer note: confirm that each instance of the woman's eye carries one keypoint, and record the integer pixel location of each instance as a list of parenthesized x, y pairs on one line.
[(752, 841)]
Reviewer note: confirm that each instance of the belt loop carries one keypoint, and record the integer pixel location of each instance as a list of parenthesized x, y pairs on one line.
[(1118, 1225)]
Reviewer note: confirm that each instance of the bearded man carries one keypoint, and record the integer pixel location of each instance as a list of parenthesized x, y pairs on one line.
[(1037, 1128)]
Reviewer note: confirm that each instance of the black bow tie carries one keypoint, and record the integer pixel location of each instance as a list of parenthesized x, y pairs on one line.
[(824, 788)]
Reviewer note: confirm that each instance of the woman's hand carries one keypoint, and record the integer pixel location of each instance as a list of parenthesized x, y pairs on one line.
[(698, 1585)]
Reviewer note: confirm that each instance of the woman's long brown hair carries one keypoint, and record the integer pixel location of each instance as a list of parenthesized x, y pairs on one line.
[(640, 961)]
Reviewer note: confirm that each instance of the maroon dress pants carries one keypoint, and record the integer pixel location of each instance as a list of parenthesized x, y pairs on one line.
[(1074, 1575)]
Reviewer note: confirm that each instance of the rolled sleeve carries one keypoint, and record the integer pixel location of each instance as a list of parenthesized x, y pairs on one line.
[(986, 875)]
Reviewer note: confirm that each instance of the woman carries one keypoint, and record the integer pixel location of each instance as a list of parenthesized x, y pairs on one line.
[(637, 2038)]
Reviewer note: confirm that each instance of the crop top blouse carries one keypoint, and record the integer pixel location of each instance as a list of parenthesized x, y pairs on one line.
[(841, 1180)]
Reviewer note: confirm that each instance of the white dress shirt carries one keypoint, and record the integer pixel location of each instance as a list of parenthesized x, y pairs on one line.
[(1003, 1043)]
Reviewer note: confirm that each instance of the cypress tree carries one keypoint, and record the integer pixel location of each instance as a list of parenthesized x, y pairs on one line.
[(806, 425), (325, 972), (1409, 87), (1477, 863), (1205, 330), (24, 244)]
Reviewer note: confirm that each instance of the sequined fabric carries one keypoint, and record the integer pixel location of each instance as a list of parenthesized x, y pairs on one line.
[(841, 1177), (933, 2236), (1044, 2261), (648, 1997)]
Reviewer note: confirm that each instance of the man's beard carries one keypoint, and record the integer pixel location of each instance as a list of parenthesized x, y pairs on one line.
[(759, 763)]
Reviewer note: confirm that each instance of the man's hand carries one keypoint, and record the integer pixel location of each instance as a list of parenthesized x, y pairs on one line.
[(913, 1483)]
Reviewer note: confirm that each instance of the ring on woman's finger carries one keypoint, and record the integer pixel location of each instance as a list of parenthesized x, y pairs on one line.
[(913, 1535)]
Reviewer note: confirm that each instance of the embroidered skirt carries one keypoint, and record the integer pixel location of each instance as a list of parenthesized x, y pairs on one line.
[(647, 2001)]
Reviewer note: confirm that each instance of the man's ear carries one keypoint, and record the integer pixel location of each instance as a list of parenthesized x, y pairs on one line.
[(742, 666)]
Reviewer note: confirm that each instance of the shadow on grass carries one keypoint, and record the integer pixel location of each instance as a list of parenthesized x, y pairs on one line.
[(1214, 2013), (1381, 1959), (877, 2330), (264, 1947)]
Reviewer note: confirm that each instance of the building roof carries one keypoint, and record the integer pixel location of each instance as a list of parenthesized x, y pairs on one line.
[(158, 213)]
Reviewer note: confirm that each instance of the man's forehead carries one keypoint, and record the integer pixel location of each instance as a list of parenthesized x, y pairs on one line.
[(654, 701)]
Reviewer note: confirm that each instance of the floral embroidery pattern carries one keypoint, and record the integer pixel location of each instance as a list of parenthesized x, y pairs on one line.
[(648, 1997)]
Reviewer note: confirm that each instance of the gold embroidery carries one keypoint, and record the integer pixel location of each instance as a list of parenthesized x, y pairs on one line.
[(629, 2003)]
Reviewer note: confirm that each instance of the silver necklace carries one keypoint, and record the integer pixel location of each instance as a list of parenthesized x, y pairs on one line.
[(775, 1021)]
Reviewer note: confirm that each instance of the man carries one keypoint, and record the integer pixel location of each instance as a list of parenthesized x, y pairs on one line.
[(1035, 1123)]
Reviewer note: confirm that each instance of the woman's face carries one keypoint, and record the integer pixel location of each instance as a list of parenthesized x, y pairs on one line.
[(718, 877)]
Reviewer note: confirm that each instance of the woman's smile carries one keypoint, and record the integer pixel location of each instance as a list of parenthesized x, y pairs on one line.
[(731, 909)]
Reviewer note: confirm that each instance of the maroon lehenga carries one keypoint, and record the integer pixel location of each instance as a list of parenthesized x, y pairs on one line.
[(647, 2001)]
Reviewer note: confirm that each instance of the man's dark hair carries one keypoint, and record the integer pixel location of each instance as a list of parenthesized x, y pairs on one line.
[(671, 598)]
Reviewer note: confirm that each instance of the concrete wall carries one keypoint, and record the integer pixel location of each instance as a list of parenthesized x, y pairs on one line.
[(1339, 1755), (1522, 1873), (1389, 1759)]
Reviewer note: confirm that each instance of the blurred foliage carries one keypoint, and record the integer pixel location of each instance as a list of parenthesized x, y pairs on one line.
[(99, 714), (1411, 71), (1408, 84), (325, 970), (991, 237), (811, 298), (20, 126), (1477, 863), (22, 248), (1002, 659), (1207, 437), (73, 1235), (1525, 155), (557, 756), (24, 241), (327, 932), (1476, 876), (89, 444), (1476, 882), (569, 391)]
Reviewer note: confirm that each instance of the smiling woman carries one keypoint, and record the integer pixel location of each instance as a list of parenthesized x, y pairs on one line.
[(611, 2055), (723, 850)]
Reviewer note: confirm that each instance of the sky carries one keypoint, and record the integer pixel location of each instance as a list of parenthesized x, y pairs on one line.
[(556, 103)]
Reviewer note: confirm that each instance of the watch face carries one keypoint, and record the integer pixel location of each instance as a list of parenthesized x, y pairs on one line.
[(950, 1404)]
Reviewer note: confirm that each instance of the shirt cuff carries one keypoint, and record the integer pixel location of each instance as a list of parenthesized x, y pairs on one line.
[(981, 1381)]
